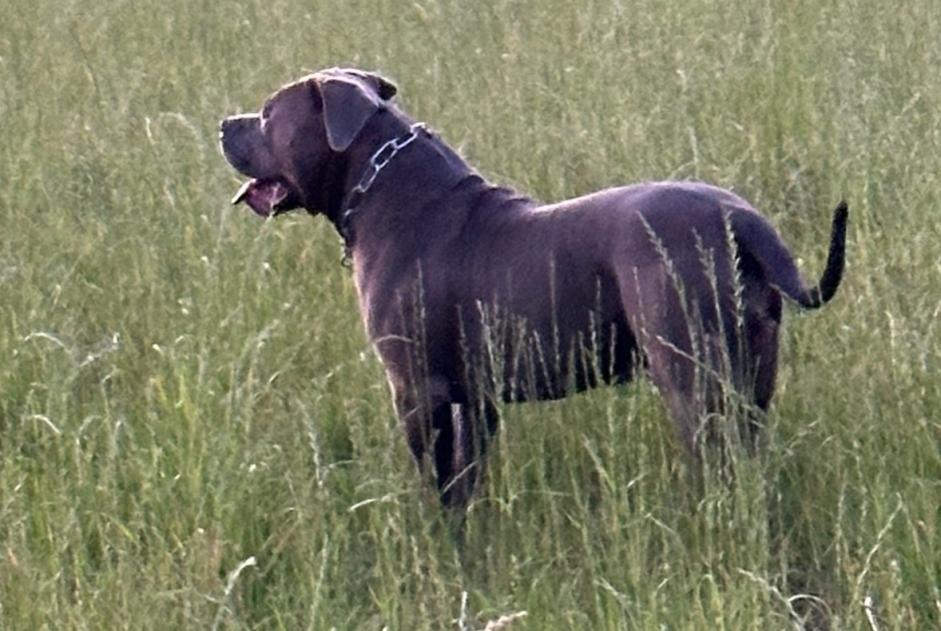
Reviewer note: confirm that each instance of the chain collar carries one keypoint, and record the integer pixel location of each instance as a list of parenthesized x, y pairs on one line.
[(379, 160)]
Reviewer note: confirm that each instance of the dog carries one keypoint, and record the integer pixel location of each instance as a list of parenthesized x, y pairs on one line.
[(473, 294)]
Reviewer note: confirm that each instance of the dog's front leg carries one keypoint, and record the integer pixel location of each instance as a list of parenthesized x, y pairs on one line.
[(453, 436), (473, 429), (425, 411)]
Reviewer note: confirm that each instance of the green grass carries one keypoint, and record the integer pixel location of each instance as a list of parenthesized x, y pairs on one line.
[(184, 388)]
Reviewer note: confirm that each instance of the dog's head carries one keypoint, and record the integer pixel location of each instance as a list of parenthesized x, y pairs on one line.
[(287, 148)]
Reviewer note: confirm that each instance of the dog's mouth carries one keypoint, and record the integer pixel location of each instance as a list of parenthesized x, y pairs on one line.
[(267, 196)]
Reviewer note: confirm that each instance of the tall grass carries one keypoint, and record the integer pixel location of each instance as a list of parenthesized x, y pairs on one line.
[(194, 432)]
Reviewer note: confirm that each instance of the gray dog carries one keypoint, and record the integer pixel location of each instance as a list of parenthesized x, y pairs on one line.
[(473, 294)]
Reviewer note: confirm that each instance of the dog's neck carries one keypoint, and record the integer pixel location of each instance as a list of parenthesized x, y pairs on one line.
[(420, 170), (377, 163)]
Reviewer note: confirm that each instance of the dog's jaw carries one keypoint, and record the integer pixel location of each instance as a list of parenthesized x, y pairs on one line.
[(266, 197)]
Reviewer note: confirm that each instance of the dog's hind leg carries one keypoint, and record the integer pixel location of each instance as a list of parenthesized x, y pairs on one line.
[(681, 357), (656, 328), (674, 374)]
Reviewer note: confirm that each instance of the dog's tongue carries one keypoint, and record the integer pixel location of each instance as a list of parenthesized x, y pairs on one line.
[(262, 196)]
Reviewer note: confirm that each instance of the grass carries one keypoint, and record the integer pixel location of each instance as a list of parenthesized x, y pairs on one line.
[(194, 432)]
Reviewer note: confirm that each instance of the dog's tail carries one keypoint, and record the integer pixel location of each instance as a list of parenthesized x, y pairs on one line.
[(778, 266)]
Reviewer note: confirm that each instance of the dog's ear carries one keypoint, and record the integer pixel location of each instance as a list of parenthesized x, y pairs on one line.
[(385, 88), (349, 99)]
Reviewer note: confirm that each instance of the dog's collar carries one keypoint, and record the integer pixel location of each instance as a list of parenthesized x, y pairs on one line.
[(379, 160), (383, 157)]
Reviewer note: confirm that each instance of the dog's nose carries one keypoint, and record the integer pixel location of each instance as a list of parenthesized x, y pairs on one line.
[(227, 134), (238, 124), (224, 125)]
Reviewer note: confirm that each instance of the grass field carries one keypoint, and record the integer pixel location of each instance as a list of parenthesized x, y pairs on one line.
[(194, 432)]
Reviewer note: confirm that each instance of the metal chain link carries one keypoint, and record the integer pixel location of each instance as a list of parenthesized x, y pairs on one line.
[(379, 160)]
